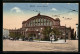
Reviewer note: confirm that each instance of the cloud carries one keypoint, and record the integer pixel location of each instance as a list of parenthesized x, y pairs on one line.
[(76, 3), (45, 3), (54, 9), (17, 9), (68, 3)]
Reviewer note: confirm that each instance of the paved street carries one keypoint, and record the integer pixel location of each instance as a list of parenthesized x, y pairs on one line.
[(71, 45)]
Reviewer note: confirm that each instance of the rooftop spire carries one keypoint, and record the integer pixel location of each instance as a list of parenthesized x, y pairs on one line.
[(38, 14)]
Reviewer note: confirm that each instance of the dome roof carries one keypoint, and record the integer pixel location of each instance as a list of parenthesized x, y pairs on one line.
[(38, 16)]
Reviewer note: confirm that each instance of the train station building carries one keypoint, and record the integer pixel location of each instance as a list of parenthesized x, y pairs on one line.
[(36, 24)]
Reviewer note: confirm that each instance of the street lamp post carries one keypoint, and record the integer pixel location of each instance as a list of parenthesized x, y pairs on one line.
[(25, 33), (65, 32), (52, 36), (39, 35)]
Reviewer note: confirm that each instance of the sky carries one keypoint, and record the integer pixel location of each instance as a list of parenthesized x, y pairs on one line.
[(15, 13)]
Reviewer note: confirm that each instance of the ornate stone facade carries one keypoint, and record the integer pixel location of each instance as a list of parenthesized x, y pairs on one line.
[(36, 24)]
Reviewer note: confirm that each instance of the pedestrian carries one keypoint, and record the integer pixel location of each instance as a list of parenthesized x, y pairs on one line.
[(51, 38)]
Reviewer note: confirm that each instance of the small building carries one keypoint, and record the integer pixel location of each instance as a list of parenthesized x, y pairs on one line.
[(76, 31), (5, 33)]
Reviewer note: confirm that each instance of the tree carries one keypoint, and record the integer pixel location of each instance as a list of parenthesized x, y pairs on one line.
[(12, 35), (22, 36), (47, 31), (56, 32), (30, 35), (16, 35)]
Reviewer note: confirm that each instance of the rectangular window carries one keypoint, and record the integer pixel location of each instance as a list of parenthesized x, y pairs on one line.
[(31, 23), (47, 22), (36, 22), (44, 22), (41, 21), (50, 23)]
